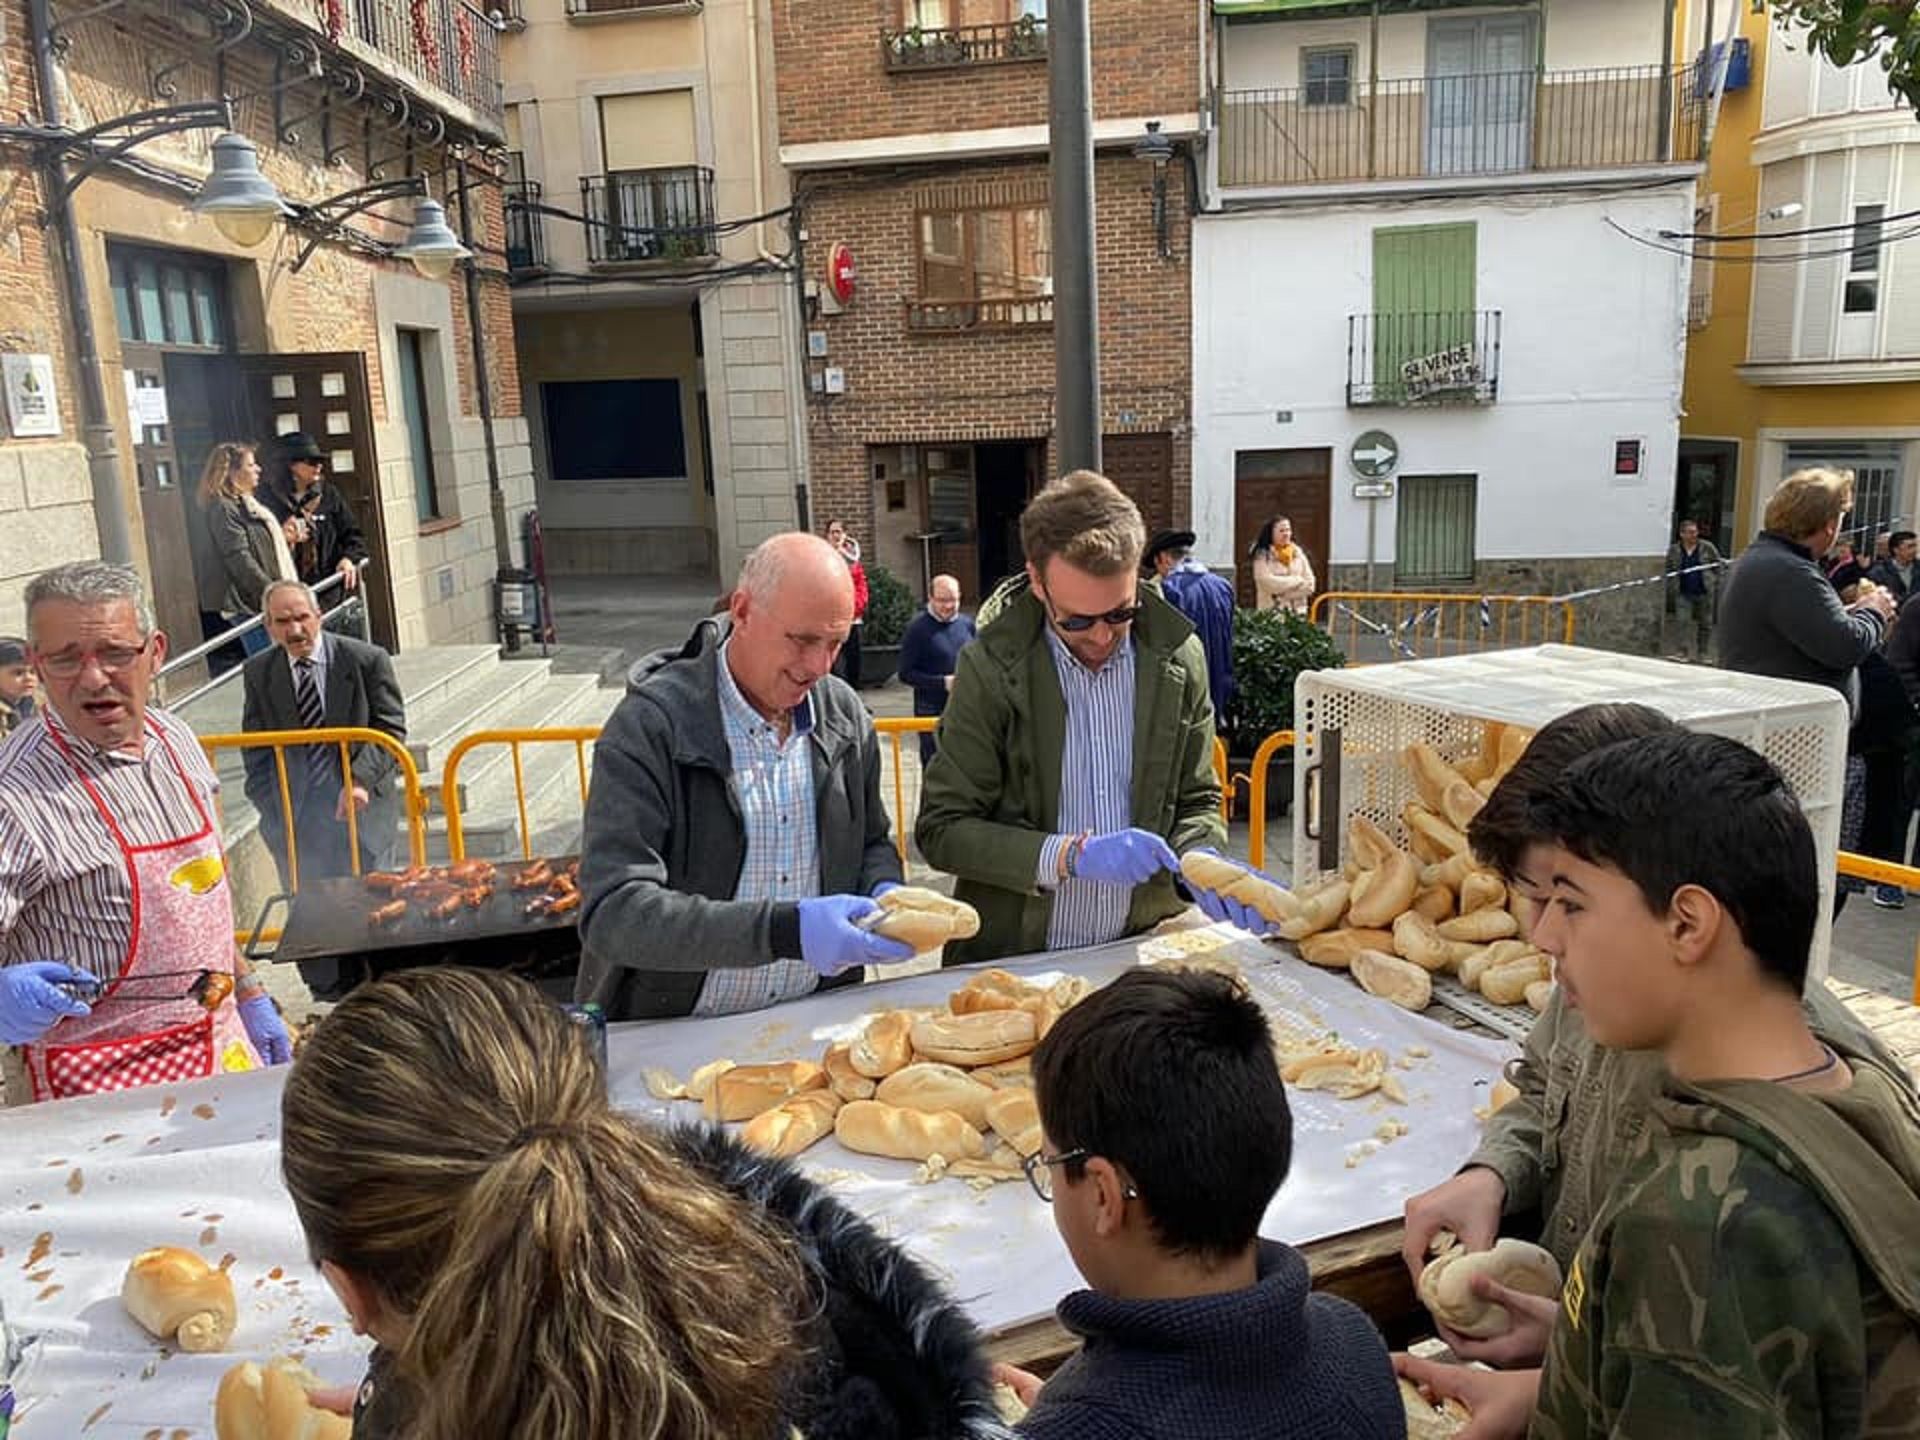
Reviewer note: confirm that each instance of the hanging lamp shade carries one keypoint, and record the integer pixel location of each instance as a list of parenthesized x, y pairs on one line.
[(431, 244), (242, 202)]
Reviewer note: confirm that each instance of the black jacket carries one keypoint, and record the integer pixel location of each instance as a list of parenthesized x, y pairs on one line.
[(335, 533), (1780, 617), (664, 843)]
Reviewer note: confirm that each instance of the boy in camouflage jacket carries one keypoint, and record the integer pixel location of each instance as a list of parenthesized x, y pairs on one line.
[(1752, 1273)]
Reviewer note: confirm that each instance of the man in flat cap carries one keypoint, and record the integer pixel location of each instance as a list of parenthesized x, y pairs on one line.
[(1205, 599)]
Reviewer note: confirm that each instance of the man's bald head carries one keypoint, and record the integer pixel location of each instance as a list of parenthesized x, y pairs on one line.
[(797, 556), (791, 613), (943, 597)]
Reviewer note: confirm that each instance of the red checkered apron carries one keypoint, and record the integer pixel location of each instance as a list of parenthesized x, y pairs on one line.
[(182, 920)]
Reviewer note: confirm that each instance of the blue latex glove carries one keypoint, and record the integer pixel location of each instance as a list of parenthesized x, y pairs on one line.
[(1126, 857), (31, 1002), (882, 886), (266, 1029), (1219, 907), (831, 939)]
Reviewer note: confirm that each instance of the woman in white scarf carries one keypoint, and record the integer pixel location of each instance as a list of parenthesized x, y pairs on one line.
[(246, 546)]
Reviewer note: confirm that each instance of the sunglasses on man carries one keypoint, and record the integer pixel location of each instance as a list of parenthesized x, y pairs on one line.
[(1080, 624)]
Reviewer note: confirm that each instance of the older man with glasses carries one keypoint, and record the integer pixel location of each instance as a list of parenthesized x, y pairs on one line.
[(1076, 753), (117, 961)]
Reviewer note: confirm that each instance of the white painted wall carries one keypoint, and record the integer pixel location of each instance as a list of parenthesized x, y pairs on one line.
[(1593, 348)]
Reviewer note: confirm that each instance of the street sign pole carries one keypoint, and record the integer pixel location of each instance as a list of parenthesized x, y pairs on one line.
[(1076, 296), (1373, 520), (1374, 457)]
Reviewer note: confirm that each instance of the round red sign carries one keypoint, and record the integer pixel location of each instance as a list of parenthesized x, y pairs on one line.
[(840, 272)]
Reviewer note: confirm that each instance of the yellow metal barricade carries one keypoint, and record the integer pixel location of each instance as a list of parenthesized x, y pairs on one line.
[(1225, 779), (1372, 625), (893, 730), (578, 736), (1885, 872), (1257, 795)]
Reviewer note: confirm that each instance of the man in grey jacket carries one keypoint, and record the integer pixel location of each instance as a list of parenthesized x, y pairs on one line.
[(734, 830)]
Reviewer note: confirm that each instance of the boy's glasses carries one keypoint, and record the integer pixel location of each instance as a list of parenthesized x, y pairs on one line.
[(1038, 1168)]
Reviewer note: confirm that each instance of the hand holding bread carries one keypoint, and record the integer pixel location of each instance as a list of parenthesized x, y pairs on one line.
[(923, 919), (271, 1402), (1446, 1285), (1238, 894)]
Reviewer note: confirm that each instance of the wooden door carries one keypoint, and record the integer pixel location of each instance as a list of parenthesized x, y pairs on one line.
[(326, 396), (166, 488), (1142, 466), (1269, 483)]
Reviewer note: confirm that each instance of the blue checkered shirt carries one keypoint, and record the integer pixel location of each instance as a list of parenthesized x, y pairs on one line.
[(773, 783), (1096, 792)]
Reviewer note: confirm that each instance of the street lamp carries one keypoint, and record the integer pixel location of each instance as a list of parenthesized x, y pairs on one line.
[(430, 244), (1157, 150), (241, 202)]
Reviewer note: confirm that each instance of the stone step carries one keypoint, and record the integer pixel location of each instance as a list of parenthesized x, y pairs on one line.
[(476, 703)]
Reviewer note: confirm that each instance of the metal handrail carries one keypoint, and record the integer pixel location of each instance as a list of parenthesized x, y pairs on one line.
[(179, 662)]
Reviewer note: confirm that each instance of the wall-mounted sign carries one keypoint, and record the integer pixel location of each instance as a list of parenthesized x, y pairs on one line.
[(1626, 459), (33, 405), (840, 274), (1455, 368), (1373, 490)]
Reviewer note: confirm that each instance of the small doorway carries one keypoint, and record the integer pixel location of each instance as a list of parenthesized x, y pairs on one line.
[(1704, 488), (1269, 483), (1005, 475)]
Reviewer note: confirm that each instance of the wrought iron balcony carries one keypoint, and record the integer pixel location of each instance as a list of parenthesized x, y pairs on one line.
[(1446, 358), (447, 44), (934, 47), (635, 216), (942, 317), (1461, 126), (526, 227)]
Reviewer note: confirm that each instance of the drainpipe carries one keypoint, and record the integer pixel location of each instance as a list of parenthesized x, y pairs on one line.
[(1666, 81), (96, 423), (483, 395)]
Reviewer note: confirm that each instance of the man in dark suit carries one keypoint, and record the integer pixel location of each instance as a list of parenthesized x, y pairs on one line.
[(312, 678)]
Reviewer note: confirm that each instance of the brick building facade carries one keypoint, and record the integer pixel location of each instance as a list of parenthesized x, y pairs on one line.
[(922, 151)]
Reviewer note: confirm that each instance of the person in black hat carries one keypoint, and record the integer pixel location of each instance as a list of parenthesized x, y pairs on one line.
[(19, 685), (1205, 599), (325, 535)]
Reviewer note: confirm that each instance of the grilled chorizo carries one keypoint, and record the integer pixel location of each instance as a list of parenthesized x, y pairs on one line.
[(471, 872), (387, 914), (534, 876)]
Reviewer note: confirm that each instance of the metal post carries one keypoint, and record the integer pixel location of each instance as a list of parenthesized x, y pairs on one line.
[(1373, 516), (483, 397), (96, 423), (1076, 290)]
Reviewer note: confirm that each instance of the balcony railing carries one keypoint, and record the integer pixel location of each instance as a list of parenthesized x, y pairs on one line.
[(1446, 358), (577, 8), (941, 317), (449, 44), (1461, 126), (640, 215), (526, 227), (935, 47)]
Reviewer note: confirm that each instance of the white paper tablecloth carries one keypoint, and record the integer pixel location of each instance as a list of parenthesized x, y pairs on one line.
[(198, 1166)]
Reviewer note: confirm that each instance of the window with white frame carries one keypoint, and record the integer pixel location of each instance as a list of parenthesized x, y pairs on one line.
[(1863, 267), (1326, 74)]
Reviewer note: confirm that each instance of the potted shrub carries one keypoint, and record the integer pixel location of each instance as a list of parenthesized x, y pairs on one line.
[(1270, 648), (890, 607)]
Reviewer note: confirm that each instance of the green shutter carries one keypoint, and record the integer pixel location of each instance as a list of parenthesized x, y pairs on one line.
[(1423, 294), (1434, 530)]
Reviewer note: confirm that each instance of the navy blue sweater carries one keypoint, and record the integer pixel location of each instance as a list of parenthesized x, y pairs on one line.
[(929, 652), (1273, 1362)]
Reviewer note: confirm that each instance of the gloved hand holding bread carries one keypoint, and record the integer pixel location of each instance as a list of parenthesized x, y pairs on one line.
[(1227, 890), (921, 918)]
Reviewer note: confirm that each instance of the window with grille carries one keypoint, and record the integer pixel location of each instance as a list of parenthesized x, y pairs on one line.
[(162, 297), (1863, 269), (1435, 528), (1326, 75)]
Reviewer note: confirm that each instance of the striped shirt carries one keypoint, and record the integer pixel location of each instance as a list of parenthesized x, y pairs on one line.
[(65, 893), (773, 783), (1096, 791)]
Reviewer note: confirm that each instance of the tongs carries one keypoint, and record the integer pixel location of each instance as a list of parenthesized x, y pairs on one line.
[(209, 987)]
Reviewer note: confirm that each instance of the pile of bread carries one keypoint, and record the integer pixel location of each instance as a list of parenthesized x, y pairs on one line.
[(1396, 917), (954, 1084)]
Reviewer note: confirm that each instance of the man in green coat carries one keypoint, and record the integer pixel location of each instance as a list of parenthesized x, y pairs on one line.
[(1076, 753)]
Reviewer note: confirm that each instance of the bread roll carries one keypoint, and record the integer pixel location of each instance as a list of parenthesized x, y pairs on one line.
[(1506, 983), (1384, 891), (1503, 1093), (178, 1297), (746, 1090), (1446, 1285), (1472, 967), (1014, 1074), (1436, 902), (1391, 978), (884, 1045), (1431, 1422), (700, 1084), (1539, 993), (1479, 927), (1015, 1118), (1431, 773), (1348, 1074), (269, 1402), (1460, 804), (1335, 949), (924, 919), (929, 1085), (847, 1082), (1451, 872), (990, 990), (1482, 890), (1367, 842), (793, 1125), (1415, 938), (1321, 906), (876, 1129), (1228, 878), (1437, 828), (978, 1039)]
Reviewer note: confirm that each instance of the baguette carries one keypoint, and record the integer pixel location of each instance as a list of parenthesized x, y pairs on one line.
[(924, 919), (1506, 983), (270, 1402), (1416, 938), (700, 1084), (1432, 774), (1479, 927), (746, 1090), (1335, 949), (876, 1129), (1446, 1285), (1014, 1074), (884, 1045), (1482, 890), (178, 1297), (793, 1125), (1385, 891), (1233, 881), (1391, 978), (930, 1086), (1321, 906), (847, 1082), (1015, 1118), (978, 1039)]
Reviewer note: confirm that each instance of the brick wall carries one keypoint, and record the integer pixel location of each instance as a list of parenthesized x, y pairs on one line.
[(834, 84), (995, 385)]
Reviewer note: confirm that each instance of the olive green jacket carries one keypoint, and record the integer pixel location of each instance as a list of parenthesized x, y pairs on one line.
[(991, 797)]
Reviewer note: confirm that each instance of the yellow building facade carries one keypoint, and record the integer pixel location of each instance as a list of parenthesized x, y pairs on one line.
[(1803, 348)]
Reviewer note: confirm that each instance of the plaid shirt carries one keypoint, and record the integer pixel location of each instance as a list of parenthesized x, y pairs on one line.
[(774, 785), (1096, 781)]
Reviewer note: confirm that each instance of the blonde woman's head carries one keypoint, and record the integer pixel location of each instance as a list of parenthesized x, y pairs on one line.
[(1808, 504), (231, 471)]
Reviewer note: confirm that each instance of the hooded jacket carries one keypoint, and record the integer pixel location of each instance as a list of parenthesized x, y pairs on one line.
[(1754, 1275)]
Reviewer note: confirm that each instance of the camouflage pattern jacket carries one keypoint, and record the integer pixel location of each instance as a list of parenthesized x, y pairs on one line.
[(1753, 1276), (1582, 1108)]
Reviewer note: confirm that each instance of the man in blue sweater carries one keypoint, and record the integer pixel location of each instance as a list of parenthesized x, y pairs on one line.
[(1205, 599), (1166, 1133), (930, 651)]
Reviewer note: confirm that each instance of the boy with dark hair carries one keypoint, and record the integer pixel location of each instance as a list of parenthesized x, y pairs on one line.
[(18, 685), (1752, 1271), (1167, 1134)]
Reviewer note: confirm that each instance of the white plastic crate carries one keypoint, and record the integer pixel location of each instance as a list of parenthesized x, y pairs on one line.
[(1379, 710)]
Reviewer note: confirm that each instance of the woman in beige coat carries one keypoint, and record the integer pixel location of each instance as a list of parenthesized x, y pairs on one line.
[(1282, 574)]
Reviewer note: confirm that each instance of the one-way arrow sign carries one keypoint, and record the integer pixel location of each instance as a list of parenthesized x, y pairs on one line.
[(1375, 455)]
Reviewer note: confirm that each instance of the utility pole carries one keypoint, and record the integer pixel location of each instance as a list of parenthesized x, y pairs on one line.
[(1076, 290)]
